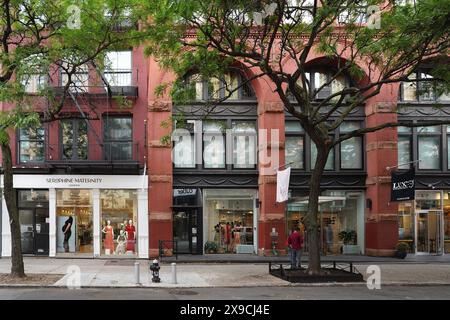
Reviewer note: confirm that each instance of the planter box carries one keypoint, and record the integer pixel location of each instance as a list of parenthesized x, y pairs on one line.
[(351, 249)]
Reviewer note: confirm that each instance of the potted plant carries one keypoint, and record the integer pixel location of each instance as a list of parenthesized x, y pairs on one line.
[(211, 247), (349, 240), (401, 250)]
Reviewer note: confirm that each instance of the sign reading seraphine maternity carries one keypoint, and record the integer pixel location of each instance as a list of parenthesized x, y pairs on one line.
[(402, 185)]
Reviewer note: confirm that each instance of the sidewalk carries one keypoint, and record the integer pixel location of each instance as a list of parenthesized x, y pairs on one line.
[(113, 273)]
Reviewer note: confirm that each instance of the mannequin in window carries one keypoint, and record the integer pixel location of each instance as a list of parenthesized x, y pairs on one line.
[(109, 238), (67, 229), (121, 242), (228, 236), (131, 235)]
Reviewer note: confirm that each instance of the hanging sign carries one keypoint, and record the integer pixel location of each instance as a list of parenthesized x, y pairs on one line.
[(402, 185)]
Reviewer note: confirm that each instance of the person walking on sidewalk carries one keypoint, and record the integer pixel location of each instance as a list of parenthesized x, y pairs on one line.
[(295, 242)]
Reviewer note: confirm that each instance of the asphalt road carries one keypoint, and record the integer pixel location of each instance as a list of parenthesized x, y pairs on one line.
[(249, 293)]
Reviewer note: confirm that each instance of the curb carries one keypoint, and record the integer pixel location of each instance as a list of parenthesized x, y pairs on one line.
[(321, 284)]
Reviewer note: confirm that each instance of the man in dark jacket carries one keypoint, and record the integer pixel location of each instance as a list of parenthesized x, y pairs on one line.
[(295, 242)]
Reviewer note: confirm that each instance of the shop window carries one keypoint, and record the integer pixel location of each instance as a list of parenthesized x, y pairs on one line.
[(74, 139), (446, 222), (118, 70), (406, 224), (184, 145), (31, 144), (429, 146), (338, 215), (244, 144), (74, 206), (214, 144), (119, 221), (294, 145), (351, 149), (118, 133)]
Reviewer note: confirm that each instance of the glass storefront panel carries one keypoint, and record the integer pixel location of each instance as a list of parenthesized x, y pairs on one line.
[(118, 221), (446, 222), (228, 222), (406, 224), (338, 217), (74, 207)]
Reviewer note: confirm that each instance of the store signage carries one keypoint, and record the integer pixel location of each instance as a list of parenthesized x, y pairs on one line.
[(402, 185), (184, 192)]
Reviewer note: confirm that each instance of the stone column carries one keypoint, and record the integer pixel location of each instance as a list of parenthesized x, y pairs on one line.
[(381, 226), (160, 175), (271, 157)]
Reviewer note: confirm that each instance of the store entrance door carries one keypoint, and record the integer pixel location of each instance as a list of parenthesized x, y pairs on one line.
[(429, 231), (186, 231), (34, 227)]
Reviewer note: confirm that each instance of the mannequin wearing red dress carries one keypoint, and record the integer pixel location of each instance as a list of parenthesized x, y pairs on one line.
[(228, 235), (109, 237), (130, 229)]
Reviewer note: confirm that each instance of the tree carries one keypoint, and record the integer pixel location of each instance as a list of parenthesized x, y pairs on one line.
[(266, 36), (37, 38)]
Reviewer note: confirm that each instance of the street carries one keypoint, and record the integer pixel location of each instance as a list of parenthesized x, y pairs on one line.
[(249, 293)]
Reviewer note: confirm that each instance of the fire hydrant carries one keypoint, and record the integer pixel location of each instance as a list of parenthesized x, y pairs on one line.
[(154, 268)]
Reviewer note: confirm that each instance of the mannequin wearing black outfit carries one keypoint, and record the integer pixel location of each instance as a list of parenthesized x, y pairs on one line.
[(67, 233)]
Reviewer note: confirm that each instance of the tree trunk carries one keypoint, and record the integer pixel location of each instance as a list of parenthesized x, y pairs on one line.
[(17, 268), (312, 226)]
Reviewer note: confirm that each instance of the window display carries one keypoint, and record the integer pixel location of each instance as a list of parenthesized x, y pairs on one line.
[(118, 213), (74, 206), (406, 223), (228, 222)]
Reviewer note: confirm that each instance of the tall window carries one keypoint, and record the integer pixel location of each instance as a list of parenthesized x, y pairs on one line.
[(429, 145), (184, 145), (329, 165), (325, 83), (351, 149), (80, 79), (244, 144), (404, 147), (214, 144), (118, 70), (118, 140), (294, 145), (74, 139), (31, 144), (34, 79)]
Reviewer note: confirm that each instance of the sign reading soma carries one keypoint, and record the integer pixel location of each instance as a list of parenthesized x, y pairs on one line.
[(402, 185)]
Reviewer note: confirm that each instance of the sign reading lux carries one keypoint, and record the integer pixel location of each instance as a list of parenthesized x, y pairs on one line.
[(402, 185)]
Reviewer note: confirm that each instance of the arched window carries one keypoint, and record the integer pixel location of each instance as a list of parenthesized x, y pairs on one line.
[(419, 88), (230, 86), (323, 83)]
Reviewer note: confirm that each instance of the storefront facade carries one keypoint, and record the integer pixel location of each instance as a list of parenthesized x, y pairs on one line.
[(424, 224), (108, 215)]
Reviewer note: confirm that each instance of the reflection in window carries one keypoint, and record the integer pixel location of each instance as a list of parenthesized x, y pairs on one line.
[(118, 138), (330, 161), (31, 144), (429, 156), (244, 144), (351, 149), (74, 139), (214, 144), (184, 149), (118, 68)]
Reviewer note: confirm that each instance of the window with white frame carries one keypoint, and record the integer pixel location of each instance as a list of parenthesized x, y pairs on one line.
[(118, 68)]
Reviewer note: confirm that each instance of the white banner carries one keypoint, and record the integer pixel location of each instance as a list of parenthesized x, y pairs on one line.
[(283, 184)]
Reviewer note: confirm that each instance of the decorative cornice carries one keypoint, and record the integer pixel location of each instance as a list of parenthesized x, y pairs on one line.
[(378, 180), (267, 180), (381, 145), (271, 107), (381, 107)]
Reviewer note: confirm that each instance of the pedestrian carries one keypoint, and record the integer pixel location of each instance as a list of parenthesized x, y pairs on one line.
[(295, 242), (67, 230)]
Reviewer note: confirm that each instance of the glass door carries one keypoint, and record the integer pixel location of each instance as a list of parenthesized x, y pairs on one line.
[(185, 231), (429, 231), (27, 230)]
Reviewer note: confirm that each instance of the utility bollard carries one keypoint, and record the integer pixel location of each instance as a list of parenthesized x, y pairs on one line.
[(174, 272), (136, 273)]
